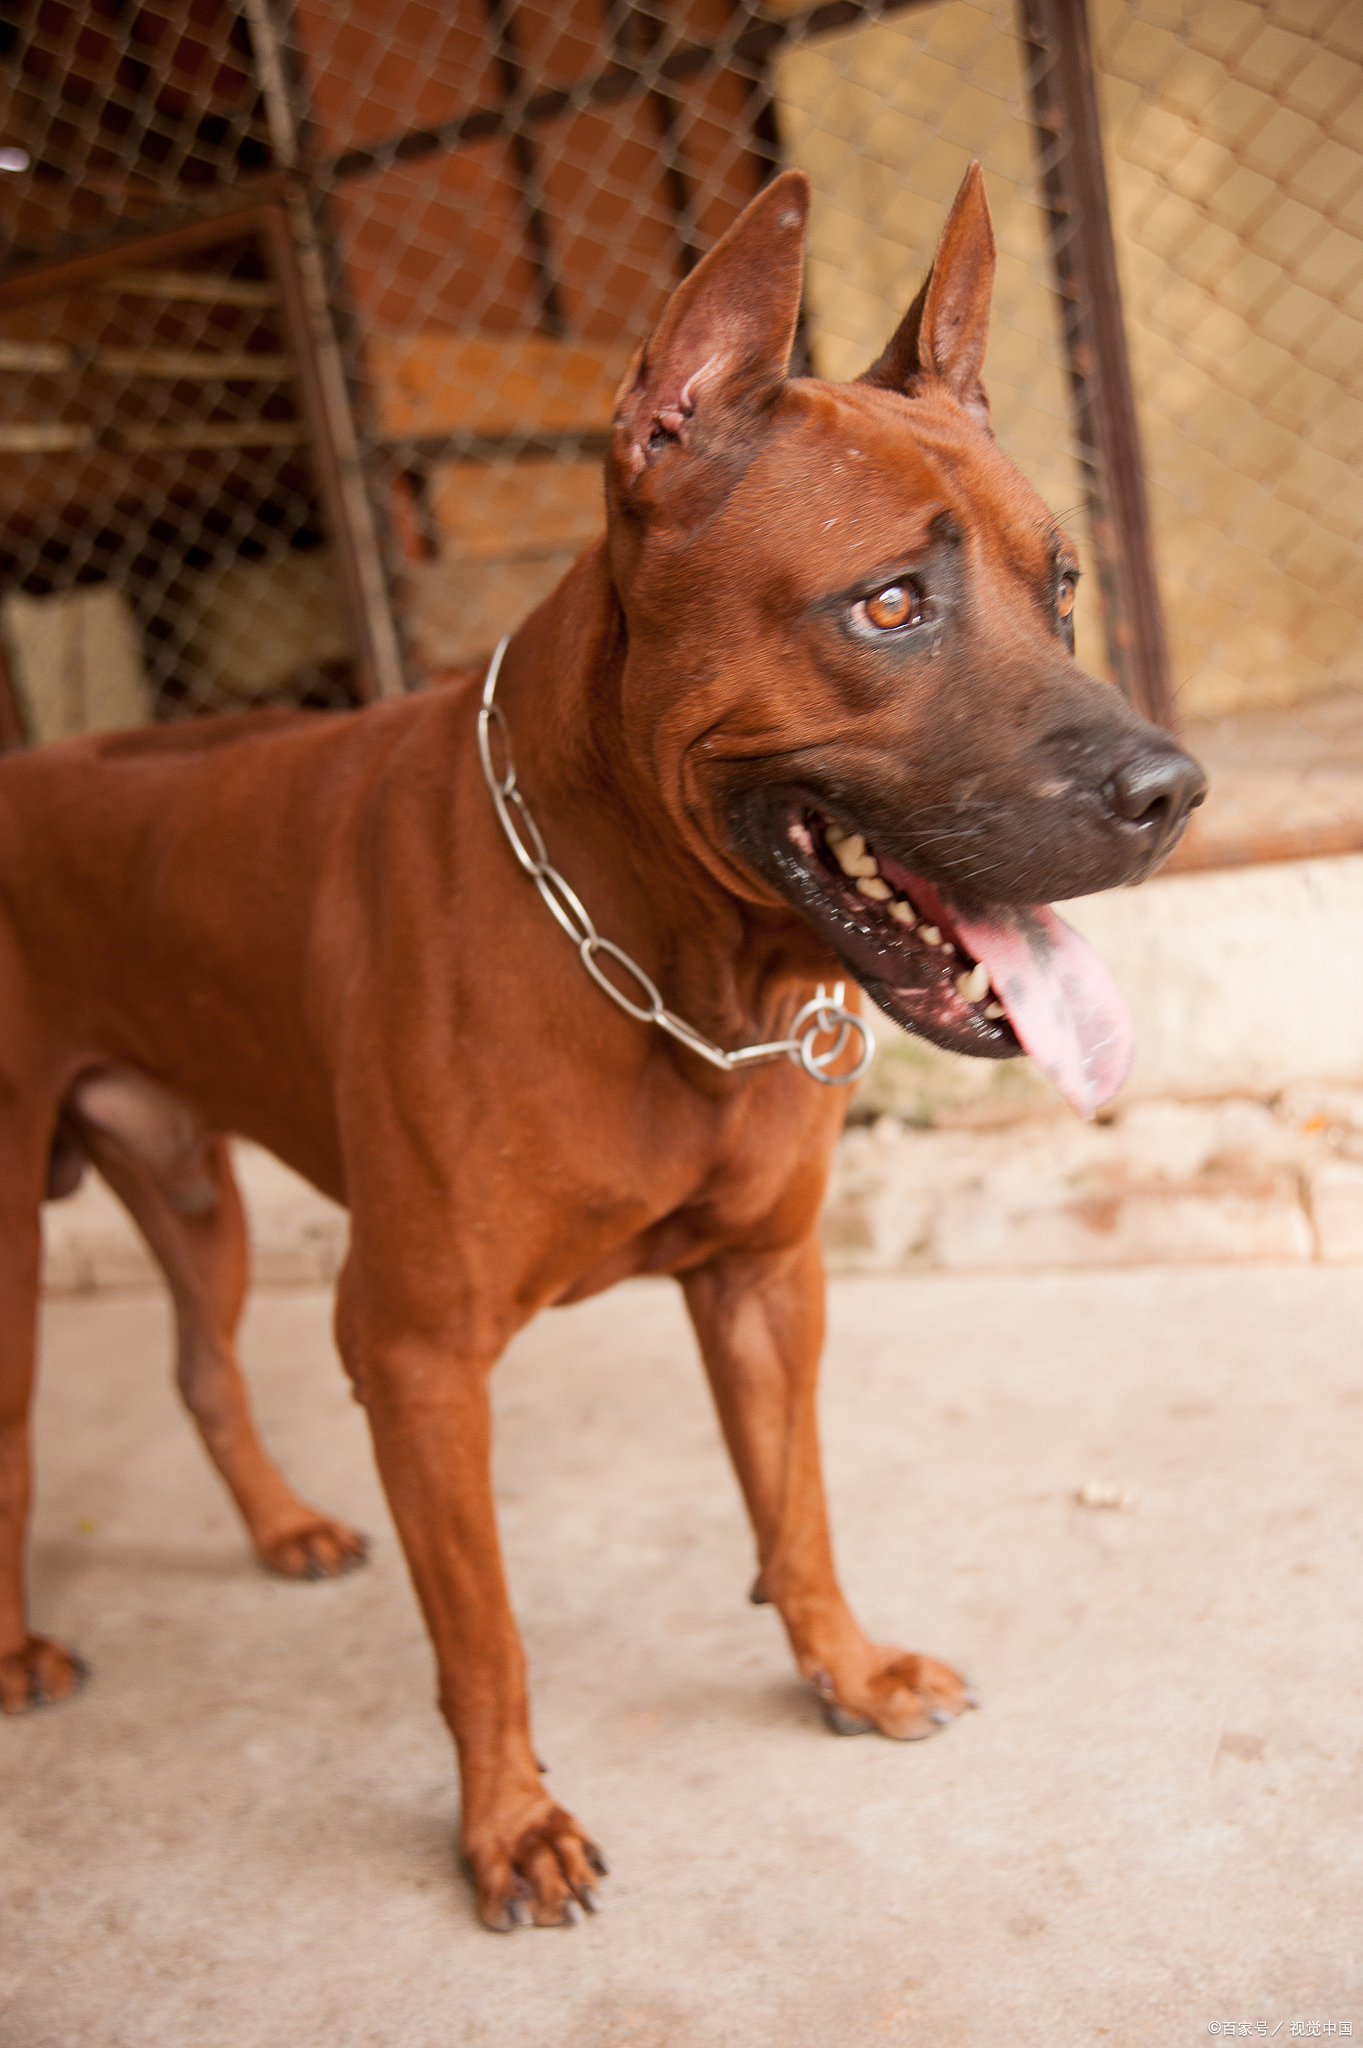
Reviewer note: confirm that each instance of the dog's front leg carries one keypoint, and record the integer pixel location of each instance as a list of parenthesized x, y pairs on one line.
[(759, 1318), (431, 1425)]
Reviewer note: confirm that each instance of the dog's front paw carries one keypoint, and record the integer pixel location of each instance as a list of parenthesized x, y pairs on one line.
[(38, 1675), (318, 1548), (542, 1874), (903, 1695)]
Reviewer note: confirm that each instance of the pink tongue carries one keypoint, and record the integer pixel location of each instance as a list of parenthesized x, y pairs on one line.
[(1060, 999)]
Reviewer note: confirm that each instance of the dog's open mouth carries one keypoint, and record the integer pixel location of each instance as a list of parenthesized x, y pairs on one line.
[(991, 980)]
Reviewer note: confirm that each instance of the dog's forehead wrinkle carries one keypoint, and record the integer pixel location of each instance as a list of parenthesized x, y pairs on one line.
[(893, 438), (971, 464), (1016, 546), (819, 541)]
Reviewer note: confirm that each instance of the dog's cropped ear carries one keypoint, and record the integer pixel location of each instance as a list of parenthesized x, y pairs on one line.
[(945, 332), (722, 348)]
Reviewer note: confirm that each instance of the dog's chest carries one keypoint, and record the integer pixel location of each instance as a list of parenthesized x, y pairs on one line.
[(759, 1192)]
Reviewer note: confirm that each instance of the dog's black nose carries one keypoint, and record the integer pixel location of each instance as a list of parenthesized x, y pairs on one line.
[(1154, 792)]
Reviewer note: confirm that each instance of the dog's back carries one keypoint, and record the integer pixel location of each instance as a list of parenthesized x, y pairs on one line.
[(166, 846)]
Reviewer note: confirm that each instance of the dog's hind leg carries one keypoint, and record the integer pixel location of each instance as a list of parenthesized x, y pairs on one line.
[(34, 1670), (759, 1318), (177, 1182)]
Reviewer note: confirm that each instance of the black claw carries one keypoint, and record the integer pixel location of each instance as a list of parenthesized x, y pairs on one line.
[(590, 1899), (596, 1859), (82, 1671), (755, 1593)]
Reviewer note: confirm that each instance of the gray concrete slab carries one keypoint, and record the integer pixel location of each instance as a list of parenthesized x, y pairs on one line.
[(240, 1836)]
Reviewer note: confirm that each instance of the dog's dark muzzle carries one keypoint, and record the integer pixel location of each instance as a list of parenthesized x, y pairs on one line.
[(1105, 809), (1093, 797)]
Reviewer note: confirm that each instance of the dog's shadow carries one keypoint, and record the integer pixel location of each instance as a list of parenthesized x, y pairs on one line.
[(63, 1559)]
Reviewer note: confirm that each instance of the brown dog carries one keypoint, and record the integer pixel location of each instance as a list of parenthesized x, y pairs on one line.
[(810, 701)]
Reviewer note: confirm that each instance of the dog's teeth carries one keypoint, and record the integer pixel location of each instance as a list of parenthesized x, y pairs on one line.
[(970, 987), (872, 886), (995, 1010), (930, 935), (852, 857), (835, 835), (902, 912)]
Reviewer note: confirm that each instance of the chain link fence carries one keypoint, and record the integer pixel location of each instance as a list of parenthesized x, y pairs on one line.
[(163, 549), (312, 317), (1236, 137)]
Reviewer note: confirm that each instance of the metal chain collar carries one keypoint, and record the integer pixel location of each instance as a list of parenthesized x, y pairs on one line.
[(822, 1017)]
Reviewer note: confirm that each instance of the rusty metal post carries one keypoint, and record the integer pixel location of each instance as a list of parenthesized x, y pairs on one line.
[(297, 262), (1084, 257), (12, 735), (297, 268)]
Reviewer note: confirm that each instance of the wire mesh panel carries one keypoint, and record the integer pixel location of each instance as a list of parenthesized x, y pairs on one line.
[(162, 545), (1236, 139), (489, 201), (114, 111)]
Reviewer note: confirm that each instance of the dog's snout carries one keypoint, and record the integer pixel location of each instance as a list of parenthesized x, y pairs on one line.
[(1155, 790)]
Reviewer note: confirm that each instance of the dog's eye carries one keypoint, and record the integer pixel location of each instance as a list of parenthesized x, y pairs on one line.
[(1065, 594), (898, 604)]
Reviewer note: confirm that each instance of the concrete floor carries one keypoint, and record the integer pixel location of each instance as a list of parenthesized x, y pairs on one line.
[(239, 1837)]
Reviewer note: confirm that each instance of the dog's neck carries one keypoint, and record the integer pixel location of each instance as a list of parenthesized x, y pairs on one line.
[(729, 965)]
